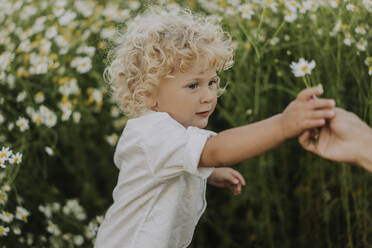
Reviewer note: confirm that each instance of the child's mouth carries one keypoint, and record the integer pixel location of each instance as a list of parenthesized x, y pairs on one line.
[(203, 114)]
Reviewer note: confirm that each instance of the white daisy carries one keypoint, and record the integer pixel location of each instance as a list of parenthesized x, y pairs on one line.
[(362, 44), (302, 67), (49, 151), (5, 153), (78, 240), (6, 217), (368, 5), (112, 139), (348, 39), (22, 213), (246, 11), (39, 97), (351, 7), (16, 158), (368, 61), (51, 32), (22, 123), (84, 65), (3, 197), (290, 16), (360, 30), (66, 18), (334, 3), (292, 5), (53, 229), (21, 96), (16, 230), (4, 231), (36, 118), (271, 4), (76, 116)]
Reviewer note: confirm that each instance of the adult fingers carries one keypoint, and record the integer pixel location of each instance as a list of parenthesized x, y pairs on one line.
[(308, 93)]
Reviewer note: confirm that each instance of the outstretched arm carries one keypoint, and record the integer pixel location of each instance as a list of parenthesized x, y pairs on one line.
[(345, 139), (235, 145)]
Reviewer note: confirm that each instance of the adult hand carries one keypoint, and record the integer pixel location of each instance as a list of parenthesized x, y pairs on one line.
[(344, 139)]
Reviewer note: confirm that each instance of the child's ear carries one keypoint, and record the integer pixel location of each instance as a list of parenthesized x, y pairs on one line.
[(151, 102)]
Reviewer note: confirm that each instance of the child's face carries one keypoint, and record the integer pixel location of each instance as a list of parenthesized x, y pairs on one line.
[(189, 97)]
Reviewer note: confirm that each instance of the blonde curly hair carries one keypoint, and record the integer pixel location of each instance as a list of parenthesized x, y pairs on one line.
[(154, 44)]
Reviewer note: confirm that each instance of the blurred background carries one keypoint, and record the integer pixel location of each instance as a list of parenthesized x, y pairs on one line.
[(59, 128)]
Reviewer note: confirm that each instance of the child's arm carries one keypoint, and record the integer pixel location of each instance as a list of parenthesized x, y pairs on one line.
[(237, 144), (227, 178)]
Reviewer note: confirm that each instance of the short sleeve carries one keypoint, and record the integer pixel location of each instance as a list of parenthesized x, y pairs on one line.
[(171, 150)]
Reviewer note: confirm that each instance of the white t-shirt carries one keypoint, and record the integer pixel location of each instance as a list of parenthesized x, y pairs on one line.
[(160, 193)]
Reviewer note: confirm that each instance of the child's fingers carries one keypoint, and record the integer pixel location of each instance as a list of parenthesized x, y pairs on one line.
[(239, 176), (230, 177), (236, 189), (308, 94), (321, 103), (321, 114), (313, 123)]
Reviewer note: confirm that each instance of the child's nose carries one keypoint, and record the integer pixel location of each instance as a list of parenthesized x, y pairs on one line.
[(208, 95)]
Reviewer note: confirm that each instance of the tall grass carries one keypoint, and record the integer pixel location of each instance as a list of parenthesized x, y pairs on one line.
[(293, 198), (65, 179)]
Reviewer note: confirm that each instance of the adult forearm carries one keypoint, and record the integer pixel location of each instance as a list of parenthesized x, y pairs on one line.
[(237, 144)]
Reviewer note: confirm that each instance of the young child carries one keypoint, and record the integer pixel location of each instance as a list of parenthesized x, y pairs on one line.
[(163, 75)]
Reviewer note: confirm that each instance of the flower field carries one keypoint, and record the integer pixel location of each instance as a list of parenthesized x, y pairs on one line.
[(59, 127)]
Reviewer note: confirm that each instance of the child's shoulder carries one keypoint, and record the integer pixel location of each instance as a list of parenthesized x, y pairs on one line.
[(152, 120)]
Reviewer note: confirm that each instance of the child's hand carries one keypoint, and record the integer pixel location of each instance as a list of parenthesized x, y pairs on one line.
[(306, 112), (226, 177)]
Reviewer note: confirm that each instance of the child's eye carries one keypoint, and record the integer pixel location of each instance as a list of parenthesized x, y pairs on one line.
[(212, 83), (193, 85)]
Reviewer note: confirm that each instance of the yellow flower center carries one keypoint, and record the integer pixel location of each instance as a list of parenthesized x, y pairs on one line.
[(38, 120), (304, 68), (64, 99), (246, 11), (222, 4)]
